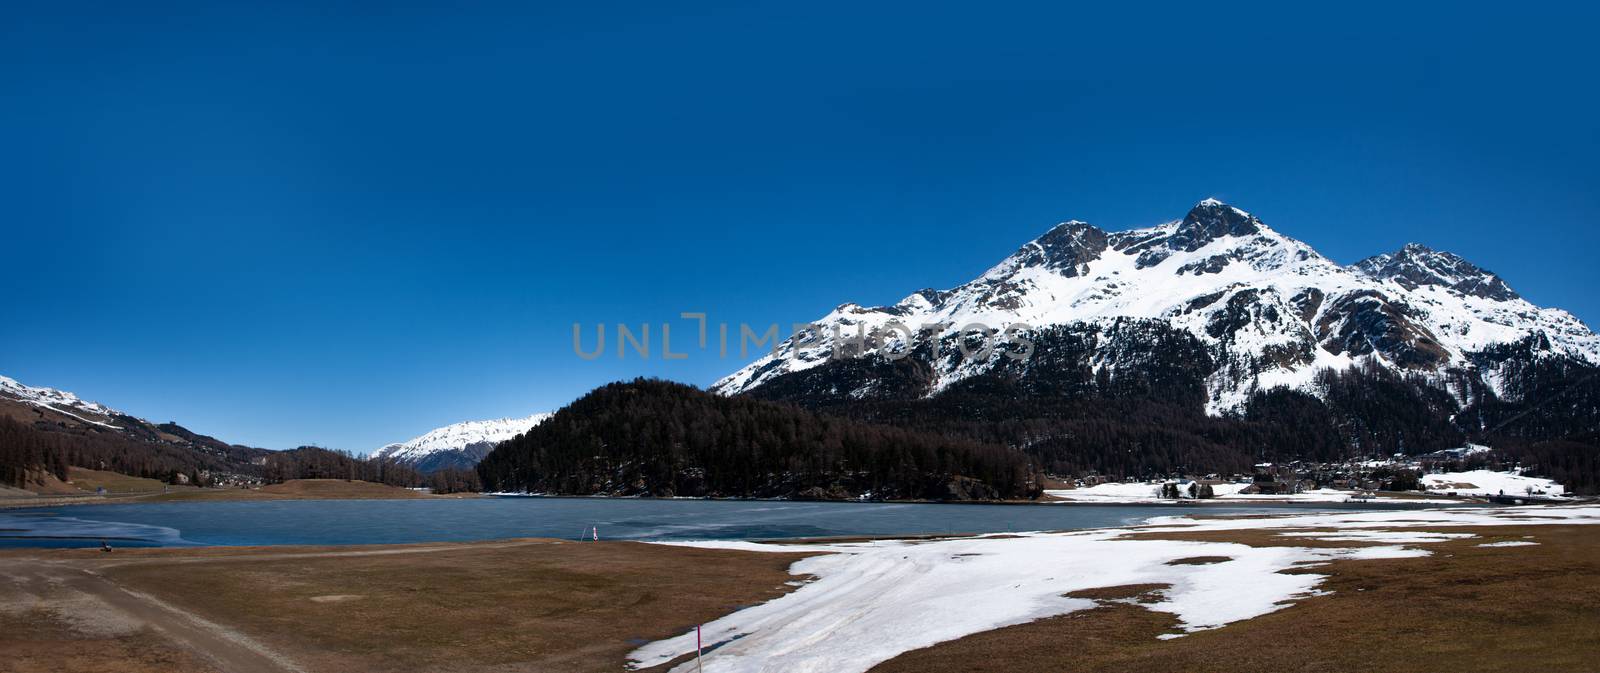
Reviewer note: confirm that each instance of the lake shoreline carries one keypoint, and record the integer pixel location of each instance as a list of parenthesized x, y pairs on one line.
[(221, 495), (369, 521)]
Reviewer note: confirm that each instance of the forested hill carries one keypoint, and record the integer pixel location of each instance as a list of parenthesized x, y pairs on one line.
[(657, 438), (1142, 414)]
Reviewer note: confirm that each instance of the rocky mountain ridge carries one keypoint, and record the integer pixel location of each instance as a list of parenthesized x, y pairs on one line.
[(1268, 310)]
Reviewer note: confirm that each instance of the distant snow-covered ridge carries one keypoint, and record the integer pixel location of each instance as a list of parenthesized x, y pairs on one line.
[(59, 401), (467, 436)]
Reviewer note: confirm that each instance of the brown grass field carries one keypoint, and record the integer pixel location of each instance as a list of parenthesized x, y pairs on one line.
[(525, 605), (114, 482), (121, 488), (549, 605), (83, 481)]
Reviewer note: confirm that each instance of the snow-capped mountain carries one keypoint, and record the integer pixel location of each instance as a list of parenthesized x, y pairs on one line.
[(458, 445), (1270, 310), (60, 402)]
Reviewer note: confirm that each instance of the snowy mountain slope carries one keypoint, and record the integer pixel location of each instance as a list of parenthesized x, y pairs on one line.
[(458, 445), (60, 402), (115, 440), (1270, 310)]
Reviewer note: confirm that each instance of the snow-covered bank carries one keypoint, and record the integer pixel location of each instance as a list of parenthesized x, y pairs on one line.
[(1130, 493), (1113, 493), (1486, 482), (871, 601)]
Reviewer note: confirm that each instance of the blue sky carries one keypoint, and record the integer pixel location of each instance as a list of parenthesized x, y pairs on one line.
[(346, 225)]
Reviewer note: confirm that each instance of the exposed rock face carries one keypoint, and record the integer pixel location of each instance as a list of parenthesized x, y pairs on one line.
[(967, 488), (1415, 265), (1208, 221), (1066, 249), (1364, 323)]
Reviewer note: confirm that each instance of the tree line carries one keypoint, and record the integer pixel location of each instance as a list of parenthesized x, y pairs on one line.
[(1129, 401), (314, 462), (29, 452)]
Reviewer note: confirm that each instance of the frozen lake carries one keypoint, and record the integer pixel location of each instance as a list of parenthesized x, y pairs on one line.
[(325, 522)]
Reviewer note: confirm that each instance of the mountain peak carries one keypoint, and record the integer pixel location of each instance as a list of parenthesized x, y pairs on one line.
[(1209, 220), (1211, 204), (1067, 248), (1415, 265), (921, 300)]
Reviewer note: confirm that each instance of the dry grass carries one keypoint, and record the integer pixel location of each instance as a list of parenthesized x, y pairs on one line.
[(35, 642), (1123, 592), (42, 483), (113, 482), (1199, 560), (46, 632), (550, 605), (1465, 608), (122, 488), (1263, 537)]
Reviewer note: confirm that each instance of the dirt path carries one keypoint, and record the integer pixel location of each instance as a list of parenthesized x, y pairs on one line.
[(81, 591), (231, 651)]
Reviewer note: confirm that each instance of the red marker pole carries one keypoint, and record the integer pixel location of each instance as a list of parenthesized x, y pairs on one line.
[(699, 663)]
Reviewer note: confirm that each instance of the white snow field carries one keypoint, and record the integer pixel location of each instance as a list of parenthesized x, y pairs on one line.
[(1111, 492), (871, 601), (1486, 482)]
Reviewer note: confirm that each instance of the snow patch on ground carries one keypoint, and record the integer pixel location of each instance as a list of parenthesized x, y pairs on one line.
[(1148, 492), (874, 600), (1486, 482), (1112, 492), (1314, 495)]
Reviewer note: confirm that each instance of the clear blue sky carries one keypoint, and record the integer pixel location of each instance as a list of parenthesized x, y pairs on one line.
[(344, 224)]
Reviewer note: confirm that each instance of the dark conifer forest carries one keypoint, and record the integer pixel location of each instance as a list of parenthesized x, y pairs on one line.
[(46, 448), (657, 438)]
